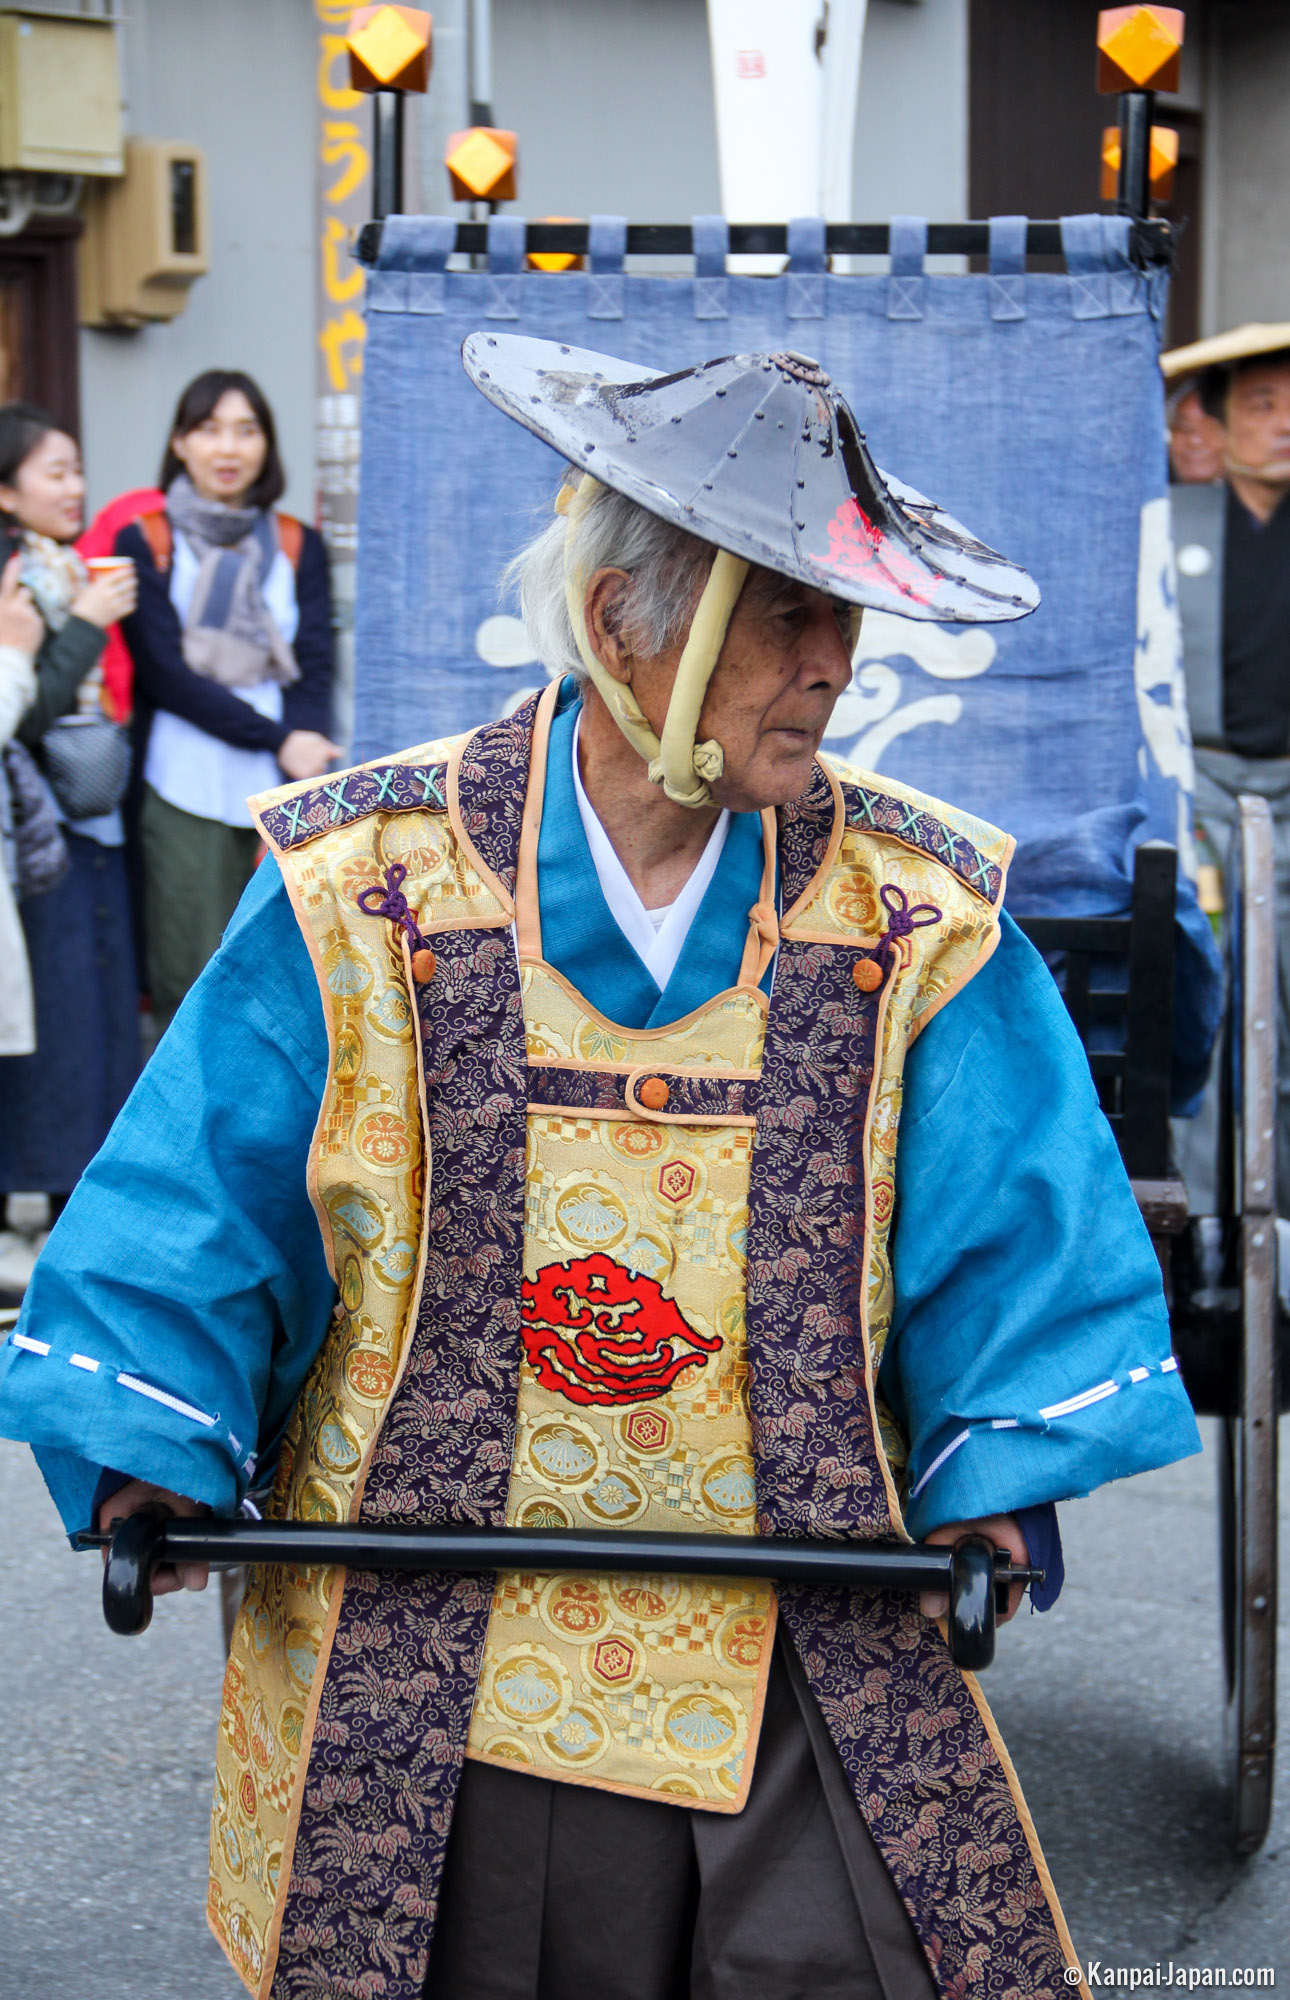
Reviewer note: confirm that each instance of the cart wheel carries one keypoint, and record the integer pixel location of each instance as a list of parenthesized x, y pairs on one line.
[(1248, 1454)]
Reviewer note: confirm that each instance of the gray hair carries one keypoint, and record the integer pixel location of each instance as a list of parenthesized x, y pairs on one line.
[(666, 569)]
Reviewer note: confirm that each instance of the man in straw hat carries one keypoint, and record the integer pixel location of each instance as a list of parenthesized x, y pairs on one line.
[(619, 1118), (1233, 550)]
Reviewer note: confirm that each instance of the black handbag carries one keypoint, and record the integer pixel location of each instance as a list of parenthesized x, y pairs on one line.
[(87, 762)]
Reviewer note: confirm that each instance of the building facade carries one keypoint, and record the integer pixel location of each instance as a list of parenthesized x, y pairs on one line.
[(965, 107)]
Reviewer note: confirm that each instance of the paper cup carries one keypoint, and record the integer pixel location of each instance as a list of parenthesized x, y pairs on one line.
[(108, 565)]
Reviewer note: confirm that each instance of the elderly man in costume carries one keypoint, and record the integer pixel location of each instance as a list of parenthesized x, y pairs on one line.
[(618, 1117)]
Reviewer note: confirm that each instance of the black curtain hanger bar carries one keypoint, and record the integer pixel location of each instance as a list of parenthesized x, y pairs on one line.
[(1150, 242)]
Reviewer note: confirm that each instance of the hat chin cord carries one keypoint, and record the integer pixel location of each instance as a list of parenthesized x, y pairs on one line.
[(684, 768)]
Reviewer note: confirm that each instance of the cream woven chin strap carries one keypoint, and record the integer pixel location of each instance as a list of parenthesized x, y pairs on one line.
[(684, 768)]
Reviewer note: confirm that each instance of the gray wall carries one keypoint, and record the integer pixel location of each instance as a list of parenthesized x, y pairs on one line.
[(911, 154), (237, 78), (612, 101), (1247, 113)]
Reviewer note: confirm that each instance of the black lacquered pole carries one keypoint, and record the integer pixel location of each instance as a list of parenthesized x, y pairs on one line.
[(971, 1573), (387, 154), (1133, 195)]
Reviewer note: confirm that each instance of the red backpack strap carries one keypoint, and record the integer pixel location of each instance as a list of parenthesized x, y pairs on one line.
[(291, 538), (156, 532)]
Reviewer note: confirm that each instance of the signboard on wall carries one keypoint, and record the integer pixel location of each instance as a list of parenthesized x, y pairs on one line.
[(342, 179)]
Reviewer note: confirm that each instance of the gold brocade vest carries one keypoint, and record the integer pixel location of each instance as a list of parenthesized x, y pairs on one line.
[(633, 1380)]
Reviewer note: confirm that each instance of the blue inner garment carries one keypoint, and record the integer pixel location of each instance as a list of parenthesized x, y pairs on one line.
[(579, 935)]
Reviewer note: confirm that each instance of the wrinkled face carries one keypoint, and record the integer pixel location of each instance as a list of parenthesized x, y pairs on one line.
[(1258, 419), (224, 455), (48, 493), (785, 660), (1195, 443)]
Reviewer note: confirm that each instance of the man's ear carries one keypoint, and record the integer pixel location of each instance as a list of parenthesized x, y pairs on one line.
[(601, 608)]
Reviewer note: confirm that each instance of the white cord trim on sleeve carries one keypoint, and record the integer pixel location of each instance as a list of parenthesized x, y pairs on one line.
[(170, 1402), (90, 1366), (939, 1461), (1069, 1408), (1084, 1402)]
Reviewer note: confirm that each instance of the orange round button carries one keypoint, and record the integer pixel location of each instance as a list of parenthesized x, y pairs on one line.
[(422, 966), (653, 1093), (867, 975)]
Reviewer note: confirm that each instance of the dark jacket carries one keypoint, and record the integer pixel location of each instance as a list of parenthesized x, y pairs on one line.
[(62, 663), (163, 679)]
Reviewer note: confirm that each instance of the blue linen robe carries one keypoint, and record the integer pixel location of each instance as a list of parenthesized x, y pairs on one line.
[(181, 1298)]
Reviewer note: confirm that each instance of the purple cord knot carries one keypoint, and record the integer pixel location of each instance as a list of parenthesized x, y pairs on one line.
[(393, 905), (901, 919)]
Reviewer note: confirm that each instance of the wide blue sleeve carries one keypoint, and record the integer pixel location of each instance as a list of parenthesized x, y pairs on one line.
[(1029, 1355), (173, 1314)]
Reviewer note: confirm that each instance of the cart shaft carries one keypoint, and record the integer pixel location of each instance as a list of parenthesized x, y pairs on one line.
[(971, 1573)]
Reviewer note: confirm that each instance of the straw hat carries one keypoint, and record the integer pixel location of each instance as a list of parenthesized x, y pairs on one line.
[(1242, 343), (759, 455)]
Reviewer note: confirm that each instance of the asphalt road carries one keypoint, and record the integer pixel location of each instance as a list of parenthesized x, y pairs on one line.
[(1110, 1705)]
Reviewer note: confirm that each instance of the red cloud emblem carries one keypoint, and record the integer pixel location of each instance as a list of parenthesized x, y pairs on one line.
[(596, 1332), (857, 550)]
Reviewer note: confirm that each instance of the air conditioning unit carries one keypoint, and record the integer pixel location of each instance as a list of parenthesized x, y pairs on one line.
[(145, 236)]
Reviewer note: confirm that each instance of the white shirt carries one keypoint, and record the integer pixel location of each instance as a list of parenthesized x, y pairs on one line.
[(656, 936), (200, 773)]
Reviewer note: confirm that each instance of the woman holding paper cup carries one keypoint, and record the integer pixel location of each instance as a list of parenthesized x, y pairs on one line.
[(57, 1104)]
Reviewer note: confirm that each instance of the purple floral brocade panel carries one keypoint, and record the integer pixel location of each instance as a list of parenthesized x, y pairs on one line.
[(818, 1472), (924, 1771), (492, 778), (817, 1466), (387, 1751), (933, 1792)]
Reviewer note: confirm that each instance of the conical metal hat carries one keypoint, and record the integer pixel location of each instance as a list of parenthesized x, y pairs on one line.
[(759, 454)]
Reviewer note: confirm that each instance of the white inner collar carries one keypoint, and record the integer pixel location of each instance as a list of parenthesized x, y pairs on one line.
[(656, 936)]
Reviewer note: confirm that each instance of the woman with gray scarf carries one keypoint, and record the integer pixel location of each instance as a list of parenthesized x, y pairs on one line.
[(233, 663)]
